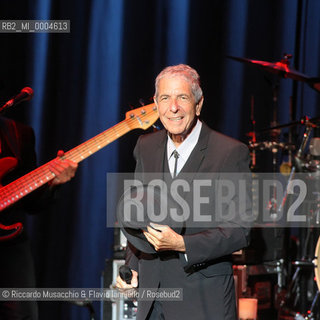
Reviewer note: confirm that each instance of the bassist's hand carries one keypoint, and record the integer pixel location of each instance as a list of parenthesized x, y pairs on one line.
[(64, 169)]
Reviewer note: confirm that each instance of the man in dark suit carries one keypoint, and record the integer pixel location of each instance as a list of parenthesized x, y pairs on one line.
[(193, 257), (16, 267)]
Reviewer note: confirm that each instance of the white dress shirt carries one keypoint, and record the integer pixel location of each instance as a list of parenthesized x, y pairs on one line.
[(184, 149)]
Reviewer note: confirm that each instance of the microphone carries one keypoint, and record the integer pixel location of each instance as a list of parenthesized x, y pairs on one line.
[(125, 274), (25, 95)]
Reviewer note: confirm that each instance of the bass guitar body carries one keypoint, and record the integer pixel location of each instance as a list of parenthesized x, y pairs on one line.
[(8, 232)]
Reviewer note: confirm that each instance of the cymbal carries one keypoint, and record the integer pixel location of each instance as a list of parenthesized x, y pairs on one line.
[(280, 68), (314, 122), (271, 145)]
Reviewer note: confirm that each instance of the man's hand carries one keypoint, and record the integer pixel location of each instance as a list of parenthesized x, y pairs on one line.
[(64, 169), (162, 237), (123, 286)]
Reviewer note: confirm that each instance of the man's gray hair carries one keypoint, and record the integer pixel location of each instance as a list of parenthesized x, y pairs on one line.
[(185, 71)]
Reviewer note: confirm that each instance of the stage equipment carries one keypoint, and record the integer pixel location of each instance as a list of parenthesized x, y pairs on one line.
[(282, 69), (294, 291)]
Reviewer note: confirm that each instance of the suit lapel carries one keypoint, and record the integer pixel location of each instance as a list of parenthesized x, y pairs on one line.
[(194, 164), (197, 156), (156, 155)]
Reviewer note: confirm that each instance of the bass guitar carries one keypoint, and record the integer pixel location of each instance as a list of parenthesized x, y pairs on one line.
[(11, 193)]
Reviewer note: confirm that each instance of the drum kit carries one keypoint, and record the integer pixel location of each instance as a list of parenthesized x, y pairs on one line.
[(293, 298)]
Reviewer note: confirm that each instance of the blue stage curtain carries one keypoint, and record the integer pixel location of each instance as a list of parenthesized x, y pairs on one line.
[(86, 80)]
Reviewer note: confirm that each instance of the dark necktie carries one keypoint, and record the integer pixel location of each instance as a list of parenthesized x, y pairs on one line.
[(176, 155)]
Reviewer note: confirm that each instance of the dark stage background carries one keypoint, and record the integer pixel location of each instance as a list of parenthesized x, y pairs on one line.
[(86, 80)]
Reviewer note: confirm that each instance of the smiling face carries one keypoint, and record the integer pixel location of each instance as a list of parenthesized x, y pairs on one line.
[(177, 107)]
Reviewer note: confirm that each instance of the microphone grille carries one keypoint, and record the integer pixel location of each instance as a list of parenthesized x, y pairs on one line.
[(27, 90)]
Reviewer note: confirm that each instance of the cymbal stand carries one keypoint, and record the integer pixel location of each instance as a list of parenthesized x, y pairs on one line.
[(275, 133), (313, 304), (253, 137), (273, 203), (290, 136), (298, 163), (286, 166)]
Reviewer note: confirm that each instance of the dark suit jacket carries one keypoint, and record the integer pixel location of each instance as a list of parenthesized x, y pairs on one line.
[(206, 275), (18, 141)]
